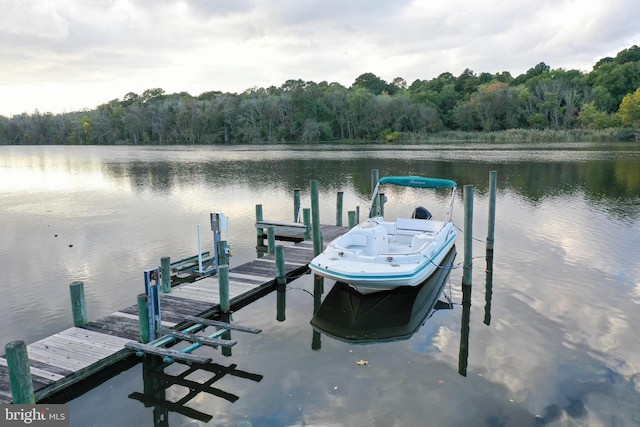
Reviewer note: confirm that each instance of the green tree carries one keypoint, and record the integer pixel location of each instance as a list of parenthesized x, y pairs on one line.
[(629, 111)]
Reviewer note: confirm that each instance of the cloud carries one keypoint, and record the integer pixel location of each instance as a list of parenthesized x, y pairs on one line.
[(232, 45)]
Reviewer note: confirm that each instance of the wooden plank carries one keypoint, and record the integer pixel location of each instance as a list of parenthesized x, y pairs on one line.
[(209, 322), (214, 342), (52, 376), (166, 352)]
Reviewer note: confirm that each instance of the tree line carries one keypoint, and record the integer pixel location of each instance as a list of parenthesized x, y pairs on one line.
[(371, 109)]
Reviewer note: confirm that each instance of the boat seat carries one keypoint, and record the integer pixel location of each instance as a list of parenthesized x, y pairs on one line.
[(413, 225), (353, 240)]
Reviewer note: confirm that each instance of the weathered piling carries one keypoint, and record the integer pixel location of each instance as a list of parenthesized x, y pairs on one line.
[(165, 274), (271, 240), (306, 214), (463, 355), (78, 304), (468, 235), (493, 179), (260, 232), (222, 251), (339, 203), (19, 373), (315, 218), (281, 282), (223, 288), (352, 219), (296, 205), (143, 318)]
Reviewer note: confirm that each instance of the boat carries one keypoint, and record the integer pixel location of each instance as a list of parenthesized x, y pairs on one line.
[(394, 315), (377, 254)]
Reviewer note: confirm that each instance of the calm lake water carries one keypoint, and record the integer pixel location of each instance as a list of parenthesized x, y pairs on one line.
[(559, 345)]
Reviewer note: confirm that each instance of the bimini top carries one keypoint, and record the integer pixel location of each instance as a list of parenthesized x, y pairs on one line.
[(418, 182)]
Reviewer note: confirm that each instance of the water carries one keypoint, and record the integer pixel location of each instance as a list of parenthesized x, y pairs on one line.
[(561, 347)]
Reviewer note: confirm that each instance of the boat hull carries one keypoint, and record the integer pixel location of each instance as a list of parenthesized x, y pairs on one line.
[(384, 271)]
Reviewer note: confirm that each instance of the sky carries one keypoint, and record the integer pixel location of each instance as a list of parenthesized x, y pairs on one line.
[(68, 55)]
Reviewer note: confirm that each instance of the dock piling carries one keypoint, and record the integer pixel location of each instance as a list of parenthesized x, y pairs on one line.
[(19, 373), (339, 203), (468, 235), (306, 214), (352, 219), (315, 218), (78, 304), (281, 273), (223, 284), (493, 179), (165, 274), (143, 318), (296, 205), (271, 240)]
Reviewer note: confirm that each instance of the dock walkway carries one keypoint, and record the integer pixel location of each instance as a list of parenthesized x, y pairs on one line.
[(78, 353)]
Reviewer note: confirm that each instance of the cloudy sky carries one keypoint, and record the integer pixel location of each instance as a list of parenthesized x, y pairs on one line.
[(66, 55)]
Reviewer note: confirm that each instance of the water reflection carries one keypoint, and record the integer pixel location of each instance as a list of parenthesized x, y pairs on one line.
[(170, 387), (349, 316)]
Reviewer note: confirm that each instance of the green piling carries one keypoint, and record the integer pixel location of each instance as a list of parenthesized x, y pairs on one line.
[(493, 180), (223, 253), (375, 176), (315, 218), (78, 304), (259, 231), (339, 203), (306, 214), (19, 373), (165, 274), (468, 235), (296, 205), (143, 319), (271, 240), (352, 219), (223, 285), (281, 273)]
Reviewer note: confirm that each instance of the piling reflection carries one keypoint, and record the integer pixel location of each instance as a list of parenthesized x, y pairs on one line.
[(349, 316), (192, 380)]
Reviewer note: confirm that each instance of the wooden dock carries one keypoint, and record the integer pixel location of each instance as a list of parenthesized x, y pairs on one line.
[(78, 353)]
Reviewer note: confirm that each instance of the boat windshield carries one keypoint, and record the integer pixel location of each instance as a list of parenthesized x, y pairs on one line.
[(418, 182)]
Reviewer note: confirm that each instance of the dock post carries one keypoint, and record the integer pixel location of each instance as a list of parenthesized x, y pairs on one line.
[(165, 274), (493, 179), (281, 281), (19, 373), (339, 204), (223, 252), (223, 284), (352, 219), (315, 218), (259, 231), (306, 214), (381, 202), (296, 205), (78, 304), (468, 235), (143, 319), (271, 240), (281, 273)]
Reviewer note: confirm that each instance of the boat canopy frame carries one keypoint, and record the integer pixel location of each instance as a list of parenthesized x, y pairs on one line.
[(415, 182)]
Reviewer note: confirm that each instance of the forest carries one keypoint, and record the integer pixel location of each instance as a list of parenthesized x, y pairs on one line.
[(605, 100)]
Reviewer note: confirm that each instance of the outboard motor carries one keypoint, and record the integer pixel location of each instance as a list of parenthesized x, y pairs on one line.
[(421, 213)]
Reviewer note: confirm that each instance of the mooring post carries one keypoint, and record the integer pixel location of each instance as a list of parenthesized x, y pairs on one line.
[(271, 239), (259, 231), (165, 274), (281, 273), (468, 235), (78, 304), (143, 318), (382, 198), (296, 205), (19, 373), (223, 252), (315, 218), (352, 219), (493, 180), (339, 204), (223, 285), (306, 214)]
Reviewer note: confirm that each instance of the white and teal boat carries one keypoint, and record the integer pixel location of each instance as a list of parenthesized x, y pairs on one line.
[(378, 254)]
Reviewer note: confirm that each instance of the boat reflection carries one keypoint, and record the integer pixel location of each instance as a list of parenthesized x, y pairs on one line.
[(393, 315)]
